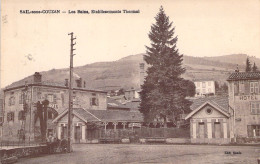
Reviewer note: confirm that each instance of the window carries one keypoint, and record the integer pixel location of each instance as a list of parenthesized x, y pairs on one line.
[(209, 83), (208, 110), (197, 91), (39, 95), (198, 84), (203, 85), (209, 90), (11, 100), (50, 115), (50, 98), (254, 87), (94, 101), (255, 108), (21, 98), (203, 91), (21, 115), (253, 130), (10, 116)]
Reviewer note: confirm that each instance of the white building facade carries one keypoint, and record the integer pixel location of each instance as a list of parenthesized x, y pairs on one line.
[(204, 88)]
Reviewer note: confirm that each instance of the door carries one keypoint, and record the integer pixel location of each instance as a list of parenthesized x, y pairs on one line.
[(201, 130), (217, 130), (77, 134), (64, 132)]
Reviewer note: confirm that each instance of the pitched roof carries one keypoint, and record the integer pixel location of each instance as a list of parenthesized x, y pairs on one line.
[(117, 115), (104, 115), (80, 113), (244, 76), (50, 80), (220, 101), (213, 104)]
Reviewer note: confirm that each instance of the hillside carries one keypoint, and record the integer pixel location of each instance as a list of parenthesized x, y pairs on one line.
[(124, 73)]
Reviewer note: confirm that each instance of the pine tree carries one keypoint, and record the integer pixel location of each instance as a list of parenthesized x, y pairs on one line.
[(248, 65), (254, 69), (164, 90)]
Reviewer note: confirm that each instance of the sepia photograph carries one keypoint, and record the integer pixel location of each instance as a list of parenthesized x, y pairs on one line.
[(112, 82)]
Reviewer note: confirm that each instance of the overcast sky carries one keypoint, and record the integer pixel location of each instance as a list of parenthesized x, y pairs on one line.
[(40, 42)]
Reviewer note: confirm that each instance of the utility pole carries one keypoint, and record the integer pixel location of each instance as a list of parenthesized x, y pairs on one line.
[(70, 93)]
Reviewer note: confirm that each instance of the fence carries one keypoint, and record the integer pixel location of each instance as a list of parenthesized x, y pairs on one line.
[(142, 132)]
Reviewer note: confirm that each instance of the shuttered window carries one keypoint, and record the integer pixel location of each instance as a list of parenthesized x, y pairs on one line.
[(254, 87), (255, 108), (10, 116), (253, 130)]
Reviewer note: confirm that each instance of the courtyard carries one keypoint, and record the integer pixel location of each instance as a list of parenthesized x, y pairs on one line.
[(136, 153)]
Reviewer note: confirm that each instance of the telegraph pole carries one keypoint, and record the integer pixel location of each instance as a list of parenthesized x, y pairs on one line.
[(70, 93)]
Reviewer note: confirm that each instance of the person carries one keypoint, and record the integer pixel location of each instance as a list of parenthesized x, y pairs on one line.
[(50, 141)]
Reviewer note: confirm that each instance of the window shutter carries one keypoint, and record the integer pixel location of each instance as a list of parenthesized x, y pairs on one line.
[(242, 88), (8, 117), (97, 102), (247, 87), (236, 88), (54, 99), (90, 101), (249, 131)]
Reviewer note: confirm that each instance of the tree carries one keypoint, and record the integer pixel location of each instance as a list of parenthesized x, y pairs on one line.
[(248, 65), (254, 69), (190, 88), (163, 92)]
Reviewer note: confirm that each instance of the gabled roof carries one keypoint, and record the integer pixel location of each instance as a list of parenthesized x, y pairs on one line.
[(244, 76), (117, 115), (103, 115), (221, 101), (211, 103), (81, 113)]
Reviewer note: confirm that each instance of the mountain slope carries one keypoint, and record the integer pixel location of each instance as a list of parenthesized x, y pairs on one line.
[(124, 73)]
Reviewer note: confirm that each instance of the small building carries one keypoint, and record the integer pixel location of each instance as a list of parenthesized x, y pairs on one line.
[(115, 105), (84, 120), (209, 120), (204, 88), (244, 102), (132, 94)]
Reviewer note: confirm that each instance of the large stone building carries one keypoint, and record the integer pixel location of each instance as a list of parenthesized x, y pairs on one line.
[(244, 104), (21, 121)]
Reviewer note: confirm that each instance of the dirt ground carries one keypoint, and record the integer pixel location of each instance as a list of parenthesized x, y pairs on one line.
[(129, 153)]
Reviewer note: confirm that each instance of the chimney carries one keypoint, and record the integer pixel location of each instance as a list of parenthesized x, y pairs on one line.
[(141, 66), (79, 82), (37, 77), (237, 70), (66, 82)]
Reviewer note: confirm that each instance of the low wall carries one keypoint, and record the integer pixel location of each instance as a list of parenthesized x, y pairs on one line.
[(210, 140), (21, 152)]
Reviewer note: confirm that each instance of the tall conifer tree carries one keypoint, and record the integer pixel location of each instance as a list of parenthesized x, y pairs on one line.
[(254, 68), (164, 91), (248, 65)]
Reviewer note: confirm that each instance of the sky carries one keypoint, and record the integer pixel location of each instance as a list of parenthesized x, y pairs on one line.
[(40, 42)]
